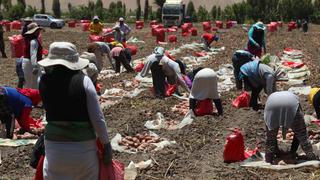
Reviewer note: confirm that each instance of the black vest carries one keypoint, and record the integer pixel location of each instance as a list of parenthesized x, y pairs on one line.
[(63, 95), (258, 36)]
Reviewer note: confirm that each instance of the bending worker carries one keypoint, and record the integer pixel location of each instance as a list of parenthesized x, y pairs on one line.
[(257, 39), (163, 68), (205, 86), (283, 110), (239, 58), (17, 104), (258, 76), (207, 39), (100, 49)]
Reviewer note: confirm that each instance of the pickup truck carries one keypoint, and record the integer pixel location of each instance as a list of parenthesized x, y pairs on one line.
[(45, 20)]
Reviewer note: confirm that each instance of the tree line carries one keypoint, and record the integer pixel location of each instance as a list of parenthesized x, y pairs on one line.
[(246, 11)]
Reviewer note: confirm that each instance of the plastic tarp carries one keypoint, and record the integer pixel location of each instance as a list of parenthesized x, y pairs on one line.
[(161, 123), (159, 146), (262, 164)]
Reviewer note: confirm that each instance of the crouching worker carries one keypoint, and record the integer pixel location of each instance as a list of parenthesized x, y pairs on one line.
[(17, 104), (239, 58), (283, 110), (258, 76), (164, 71), (74, 117), (314, 99), (207, 39), (100, 50), (204, 90), (119, 54)]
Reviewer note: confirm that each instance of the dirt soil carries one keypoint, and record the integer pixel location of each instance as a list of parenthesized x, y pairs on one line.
[(198, 153)]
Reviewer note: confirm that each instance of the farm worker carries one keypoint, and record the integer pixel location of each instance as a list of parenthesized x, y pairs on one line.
[(258, 76), (96, 27), (19, 61), (205, 86), (118, 35), (100, 49), (118, 53), (299, 23), (193, 73), (314, 99), (163, 68), (74, 117), (17, 104), (26, 22), (124, 28), (305, 26), (207, 39), (91, 70), (2, 46), (239, 58), (283, 110), (32, 55), (257, 39)]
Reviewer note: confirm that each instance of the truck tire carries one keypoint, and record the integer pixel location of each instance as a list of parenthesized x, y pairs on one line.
[(53, 25)]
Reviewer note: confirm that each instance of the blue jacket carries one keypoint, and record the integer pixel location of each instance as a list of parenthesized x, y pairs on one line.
[(254, 38), (17, 101)]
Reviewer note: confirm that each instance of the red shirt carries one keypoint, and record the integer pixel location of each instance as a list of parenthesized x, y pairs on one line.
[(208, 37)]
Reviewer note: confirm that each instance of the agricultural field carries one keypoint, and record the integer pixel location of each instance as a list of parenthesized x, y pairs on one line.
[(198, 151)]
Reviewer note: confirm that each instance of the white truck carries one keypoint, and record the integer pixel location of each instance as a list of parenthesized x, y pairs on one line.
[(173, 13)]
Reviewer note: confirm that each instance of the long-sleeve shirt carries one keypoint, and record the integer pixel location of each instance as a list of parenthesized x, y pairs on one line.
[(252, 39), (95, 113), (172, 69), (169, 67), (150, 60), (104, 49), (95, 28), (125, 29), (33, 52)]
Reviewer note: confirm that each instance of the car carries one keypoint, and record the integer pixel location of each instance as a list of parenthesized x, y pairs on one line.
[(45, 20)]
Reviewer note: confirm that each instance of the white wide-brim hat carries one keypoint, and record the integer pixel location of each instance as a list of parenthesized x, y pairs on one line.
[(65, 54)]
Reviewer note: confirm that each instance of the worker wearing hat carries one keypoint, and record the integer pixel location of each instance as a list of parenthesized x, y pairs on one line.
[(32, 54), (26, 22), (74, 117), (257, 39), (124, 28), (164, 71), (96, 27)]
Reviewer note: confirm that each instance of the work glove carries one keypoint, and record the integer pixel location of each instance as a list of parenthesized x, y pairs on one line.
[(35, 70), (107, 154)]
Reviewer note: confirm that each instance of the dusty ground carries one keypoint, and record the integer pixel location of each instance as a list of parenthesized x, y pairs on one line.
[(199, 149)]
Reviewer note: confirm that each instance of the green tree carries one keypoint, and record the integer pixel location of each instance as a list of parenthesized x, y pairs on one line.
[(7, 4), (56, 8), (138, 13), (159, 3), (30, 11), (43, 7), (16, 12), (99, 4), (203, 14), (190, 9), (146, 10), (23, 2), (214, 12)]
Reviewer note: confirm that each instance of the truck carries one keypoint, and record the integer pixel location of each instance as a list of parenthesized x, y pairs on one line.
[(173, 13)]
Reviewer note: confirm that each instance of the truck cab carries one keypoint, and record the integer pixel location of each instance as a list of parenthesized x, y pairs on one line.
[(173, 13)]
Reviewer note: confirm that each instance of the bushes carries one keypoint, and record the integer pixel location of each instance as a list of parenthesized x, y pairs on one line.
[(16, 12)]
